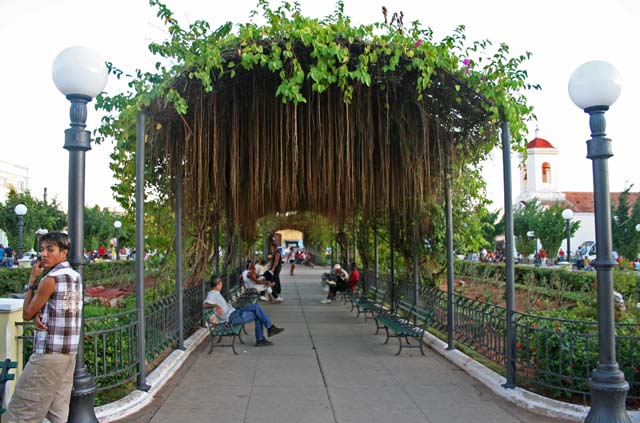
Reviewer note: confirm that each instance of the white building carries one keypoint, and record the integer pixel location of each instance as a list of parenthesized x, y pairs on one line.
[(12, 176), (538, 179)]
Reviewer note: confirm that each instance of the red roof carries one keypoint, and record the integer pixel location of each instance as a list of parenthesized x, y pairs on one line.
[(539, 143), (582, 202)]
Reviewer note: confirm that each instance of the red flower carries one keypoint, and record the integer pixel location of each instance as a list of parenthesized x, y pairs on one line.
[(418, 43)]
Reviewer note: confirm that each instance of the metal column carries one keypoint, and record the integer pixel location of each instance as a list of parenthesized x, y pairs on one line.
[(140, 134), (179, 291), (509, 248), (451, 342)]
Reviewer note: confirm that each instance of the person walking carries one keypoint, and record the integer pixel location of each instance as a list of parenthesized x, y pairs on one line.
[(8, 257), (292, 261), (55, 304)]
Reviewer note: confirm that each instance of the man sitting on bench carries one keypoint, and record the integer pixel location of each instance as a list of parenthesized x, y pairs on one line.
[(259, 283), (245, 314)]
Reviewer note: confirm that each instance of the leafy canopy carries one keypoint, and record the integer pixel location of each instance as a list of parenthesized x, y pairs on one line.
[(199, 53)]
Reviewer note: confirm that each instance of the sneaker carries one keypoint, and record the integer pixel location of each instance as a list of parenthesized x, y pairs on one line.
[(264, 343), (279, 300), (326, 301), (273, 330), (263, 298)]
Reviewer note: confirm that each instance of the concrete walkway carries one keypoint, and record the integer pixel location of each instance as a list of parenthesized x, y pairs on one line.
[(327, 366)]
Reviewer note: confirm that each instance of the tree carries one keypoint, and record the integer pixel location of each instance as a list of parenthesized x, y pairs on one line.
[(550, 229), (40, 214), (99, 229), (524, 220), (623, 222)]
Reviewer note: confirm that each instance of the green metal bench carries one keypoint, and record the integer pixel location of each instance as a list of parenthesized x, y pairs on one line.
[(408, 320), (371, 304), (5, 376), (240, 296), (221, 330)]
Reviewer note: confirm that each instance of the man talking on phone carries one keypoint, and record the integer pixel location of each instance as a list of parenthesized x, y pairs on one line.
[(55, 303)]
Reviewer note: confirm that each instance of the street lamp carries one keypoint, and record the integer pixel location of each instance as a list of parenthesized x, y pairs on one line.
[(593, 87), (117, 224), (20, 210), (567, 215), (80, 74)]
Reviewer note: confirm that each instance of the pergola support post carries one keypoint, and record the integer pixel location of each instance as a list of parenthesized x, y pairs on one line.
[(179, 291), (140, 333), (451, 343), (509, 250)]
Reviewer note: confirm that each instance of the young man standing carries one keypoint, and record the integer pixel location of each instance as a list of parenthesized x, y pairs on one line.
[(276, 267), (44, 388), (245, 314)]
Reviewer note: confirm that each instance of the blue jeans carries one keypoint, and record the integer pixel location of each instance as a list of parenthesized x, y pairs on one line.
[(249, 313)]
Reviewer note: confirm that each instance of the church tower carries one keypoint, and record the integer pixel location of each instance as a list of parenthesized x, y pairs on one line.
[(538, 175)]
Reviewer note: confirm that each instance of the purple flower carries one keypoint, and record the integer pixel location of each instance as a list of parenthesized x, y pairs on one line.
[(483, 79), (418, 43), (466, 62)]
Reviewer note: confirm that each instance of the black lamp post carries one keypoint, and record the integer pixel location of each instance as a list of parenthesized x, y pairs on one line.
[(117, 224), (567, 215), (80, 74), (20, 210), (594, 87)]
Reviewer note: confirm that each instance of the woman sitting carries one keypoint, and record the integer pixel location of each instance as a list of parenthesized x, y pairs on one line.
[(340, 284)]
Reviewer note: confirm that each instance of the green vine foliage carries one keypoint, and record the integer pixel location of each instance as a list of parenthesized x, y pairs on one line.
[(323, 52), (209, 55)]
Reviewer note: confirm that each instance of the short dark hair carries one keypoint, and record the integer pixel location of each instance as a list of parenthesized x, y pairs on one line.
[(354, 265), (214, 282), (61, 239)]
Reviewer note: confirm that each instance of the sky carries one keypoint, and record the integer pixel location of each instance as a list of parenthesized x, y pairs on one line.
[(561, 35)]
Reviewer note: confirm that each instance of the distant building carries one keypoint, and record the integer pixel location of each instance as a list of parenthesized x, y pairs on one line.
[(538, 179), (12, 176)]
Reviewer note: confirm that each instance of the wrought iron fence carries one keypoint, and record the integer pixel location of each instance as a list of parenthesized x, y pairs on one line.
[(111, 349), (554, 356)]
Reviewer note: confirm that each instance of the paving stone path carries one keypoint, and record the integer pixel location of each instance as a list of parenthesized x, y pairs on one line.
[(327, 366)]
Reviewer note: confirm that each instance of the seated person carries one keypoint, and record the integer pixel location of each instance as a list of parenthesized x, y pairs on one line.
[(340, 284), (252, 281), (245, 314), (354, 277)]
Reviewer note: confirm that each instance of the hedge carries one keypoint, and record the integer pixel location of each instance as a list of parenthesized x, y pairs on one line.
[(99, 273), (576, 281)]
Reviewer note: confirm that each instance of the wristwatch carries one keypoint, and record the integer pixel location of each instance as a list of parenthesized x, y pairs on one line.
[(27, 288)]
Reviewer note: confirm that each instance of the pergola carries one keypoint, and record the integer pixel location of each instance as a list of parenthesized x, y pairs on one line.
[(241, 152), (247, 128)]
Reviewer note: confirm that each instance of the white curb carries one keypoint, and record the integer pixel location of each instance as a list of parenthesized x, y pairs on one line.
[(520, 397), (137, 400)]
